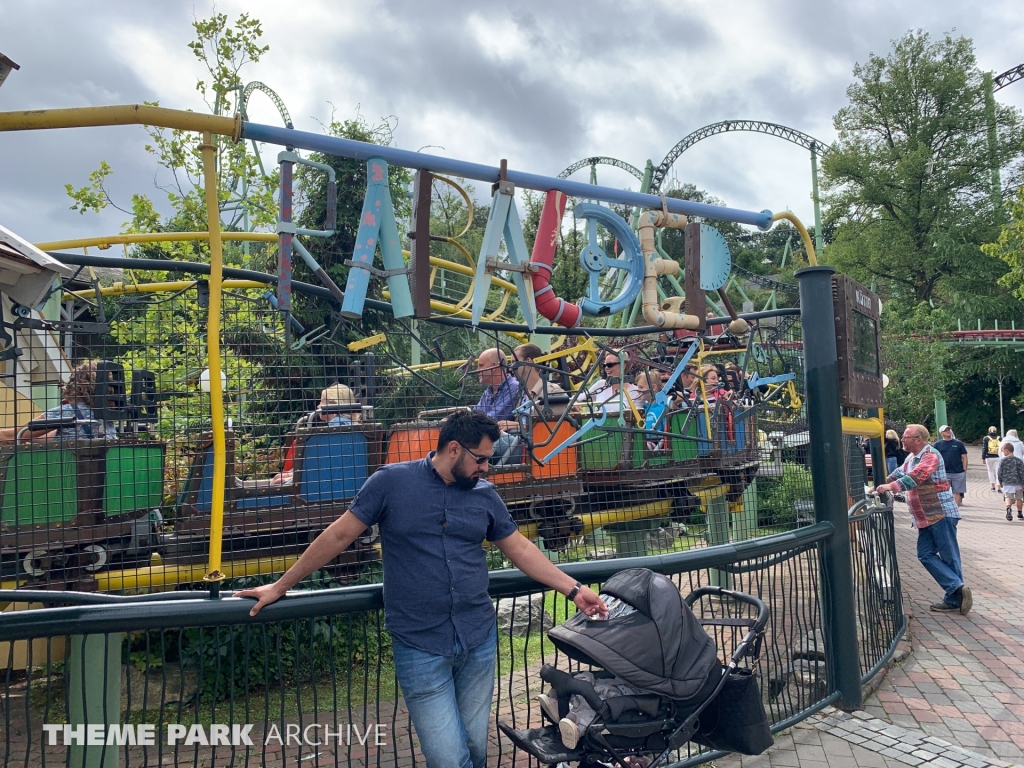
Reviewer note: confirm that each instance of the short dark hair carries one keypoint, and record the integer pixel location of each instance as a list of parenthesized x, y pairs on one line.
[(467, 428)]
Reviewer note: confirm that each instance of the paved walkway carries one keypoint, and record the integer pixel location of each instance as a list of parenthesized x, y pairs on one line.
[(958, 700)]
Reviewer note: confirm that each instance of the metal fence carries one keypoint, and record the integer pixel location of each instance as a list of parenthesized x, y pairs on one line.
[(321, 660), (123, 501)]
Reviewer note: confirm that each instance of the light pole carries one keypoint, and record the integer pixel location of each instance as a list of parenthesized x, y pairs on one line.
[(1002, 425)]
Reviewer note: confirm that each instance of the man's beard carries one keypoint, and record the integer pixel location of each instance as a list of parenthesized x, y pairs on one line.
[(466, 482)]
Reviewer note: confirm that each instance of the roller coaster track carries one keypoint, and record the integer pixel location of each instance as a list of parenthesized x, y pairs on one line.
[(765, 282), (592, 161), (1009, 76), (256, 85), (756, 126)]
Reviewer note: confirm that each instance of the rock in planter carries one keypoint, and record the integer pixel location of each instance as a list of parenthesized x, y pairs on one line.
[(525, 615)]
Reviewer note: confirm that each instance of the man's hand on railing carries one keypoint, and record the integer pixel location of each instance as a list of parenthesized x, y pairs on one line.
[(265, 595)]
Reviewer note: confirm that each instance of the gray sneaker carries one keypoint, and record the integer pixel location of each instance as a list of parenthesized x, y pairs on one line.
[(549, 705), (943, 607), (966, 600)]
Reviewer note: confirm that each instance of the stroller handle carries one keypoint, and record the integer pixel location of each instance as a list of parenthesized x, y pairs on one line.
[(763, 612)]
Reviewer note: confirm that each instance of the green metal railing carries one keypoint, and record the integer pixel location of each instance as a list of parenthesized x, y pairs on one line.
[(322, 658)]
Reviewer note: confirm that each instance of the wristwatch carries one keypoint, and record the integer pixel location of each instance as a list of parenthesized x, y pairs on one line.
[(574, 591)]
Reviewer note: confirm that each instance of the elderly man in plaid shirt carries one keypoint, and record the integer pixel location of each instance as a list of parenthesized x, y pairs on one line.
[(923, 477)]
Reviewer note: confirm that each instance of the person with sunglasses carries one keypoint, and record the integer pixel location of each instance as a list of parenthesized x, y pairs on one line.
[(434, 515), (606, 391)]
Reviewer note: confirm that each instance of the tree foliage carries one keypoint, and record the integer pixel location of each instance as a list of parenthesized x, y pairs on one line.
[(909, 179)]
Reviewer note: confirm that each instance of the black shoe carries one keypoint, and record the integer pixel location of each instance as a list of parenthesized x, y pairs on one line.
[(966, 598), (1009, 513), (1020, 515), (943, 607)]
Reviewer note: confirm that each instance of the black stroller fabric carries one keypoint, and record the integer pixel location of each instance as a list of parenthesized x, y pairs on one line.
[(660, 648)]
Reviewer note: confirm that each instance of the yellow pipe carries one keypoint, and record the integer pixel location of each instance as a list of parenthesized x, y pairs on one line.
[(864, 427), (153, 237), (121, 289), (126, 114), (422, 367), (812, 258), (454, 266), (171, 575), (594, 520), (209, 151), (881, 418)]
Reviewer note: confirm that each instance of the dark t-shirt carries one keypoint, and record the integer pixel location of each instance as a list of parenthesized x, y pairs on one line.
[(952, 451), (435, 566)]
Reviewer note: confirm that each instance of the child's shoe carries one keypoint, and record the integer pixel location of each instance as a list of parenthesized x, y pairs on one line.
[(549, 705), (569, 729)]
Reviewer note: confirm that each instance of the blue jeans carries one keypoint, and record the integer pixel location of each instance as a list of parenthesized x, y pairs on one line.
[(449, 700), (891, 464), (939, 553)]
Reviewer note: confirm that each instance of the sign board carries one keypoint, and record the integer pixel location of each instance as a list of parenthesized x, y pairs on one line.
[(858, 343)]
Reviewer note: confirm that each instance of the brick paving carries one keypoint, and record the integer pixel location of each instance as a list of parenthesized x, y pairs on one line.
[(959, 698)]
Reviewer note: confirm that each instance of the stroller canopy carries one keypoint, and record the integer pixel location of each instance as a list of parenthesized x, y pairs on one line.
[(661, 647)]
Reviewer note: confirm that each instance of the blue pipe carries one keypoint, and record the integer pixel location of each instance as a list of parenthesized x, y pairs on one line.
[(360, 150)]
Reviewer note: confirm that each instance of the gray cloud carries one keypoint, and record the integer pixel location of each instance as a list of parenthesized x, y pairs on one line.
[(540, 83)]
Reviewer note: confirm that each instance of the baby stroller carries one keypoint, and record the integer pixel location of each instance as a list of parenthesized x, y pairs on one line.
[(660, 648)]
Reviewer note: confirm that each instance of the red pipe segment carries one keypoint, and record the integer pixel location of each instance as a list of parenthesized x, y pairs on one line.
[(548, 305)]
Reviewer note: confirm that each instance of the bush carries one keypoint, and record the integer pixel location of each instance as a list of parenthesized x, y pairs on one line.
[(777, 497)]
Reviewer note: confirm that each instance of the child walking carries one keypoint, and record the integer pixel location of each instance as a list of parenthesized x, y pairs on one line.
[(1011, 477)]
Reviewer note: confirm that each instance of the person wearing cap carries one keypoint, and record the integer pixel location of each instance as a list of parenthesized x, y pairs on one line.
[(336, 394), (990, 455), (954, 458)]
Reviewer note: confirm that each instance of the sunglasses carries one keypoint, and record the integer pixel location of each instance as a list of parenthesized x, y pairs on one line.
[(476, 458), (610, 365)]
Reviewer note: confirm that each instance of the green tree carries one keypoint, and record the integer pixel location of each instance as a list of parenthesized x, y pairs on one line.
[(909, 180), (224, 48), (1010, 246)]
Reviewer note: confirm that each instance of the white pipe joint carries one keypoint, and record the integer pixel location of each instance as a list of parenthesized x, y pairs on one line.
[(654, 267)]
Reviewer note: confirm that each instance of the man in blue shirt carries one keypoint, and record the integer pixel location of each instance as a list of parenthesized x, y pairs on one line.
[(501, 395), (434, 514), (954, 457)]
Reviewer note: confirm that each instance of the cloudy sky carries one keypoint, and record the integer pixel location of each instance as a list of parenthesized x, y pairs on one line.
[(540, 83)]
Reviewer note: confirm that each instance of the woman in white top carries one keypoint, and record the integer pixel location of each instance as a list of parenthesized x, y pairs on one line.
[(606, 391)]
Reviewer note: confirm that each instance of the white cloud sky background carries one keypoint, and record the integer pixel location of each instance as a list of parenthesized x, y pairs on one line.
[(540, 83)]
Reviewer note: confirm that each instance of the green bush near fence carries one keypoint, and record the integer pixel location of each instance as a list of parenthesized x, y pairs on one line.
[(777, 497)]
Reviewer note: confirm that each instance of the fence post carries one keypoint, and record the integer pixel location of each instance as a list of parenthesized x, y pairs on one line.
[(94, 697), (827, 465)]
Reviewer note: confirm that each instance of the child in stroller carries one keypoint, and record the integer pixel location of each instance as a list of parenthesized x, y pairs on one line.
[(676, 689)]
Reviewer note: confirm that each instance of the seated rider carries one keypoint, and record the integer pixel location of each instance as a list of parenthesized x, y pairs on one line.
[(500, 397), (648, 384), (607, 391), (76, 401), (336, 394), (534, 385)]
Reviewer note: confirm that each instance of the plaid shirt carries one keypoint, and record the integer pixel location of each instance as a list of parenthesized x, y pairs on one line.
[(923, 476), (499, 403)]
